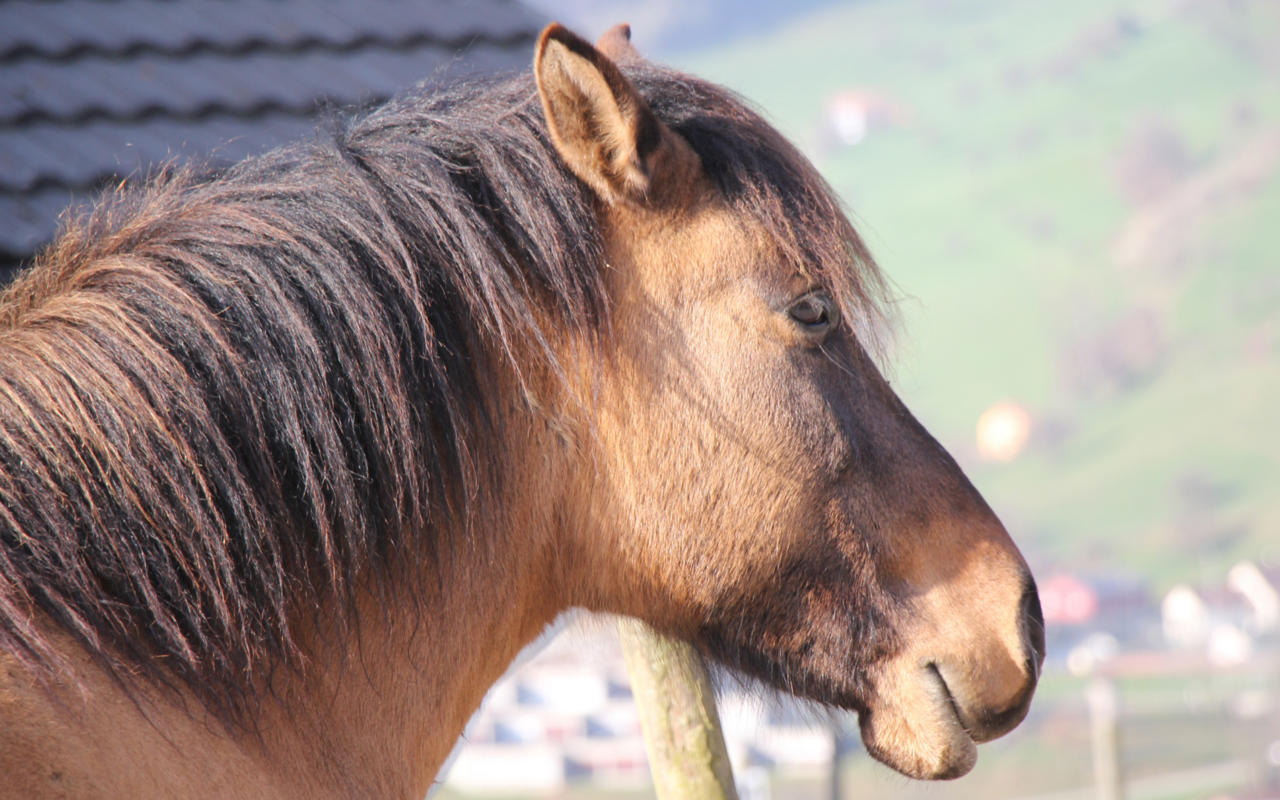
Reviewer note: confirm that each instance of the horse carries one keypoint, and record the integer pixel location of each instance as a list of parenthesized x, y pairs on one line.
[(297, 454)]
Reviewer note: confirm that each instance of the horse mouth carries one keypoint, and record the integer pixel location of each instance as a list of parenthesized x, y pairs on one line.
[(935, 674), (918, 727)]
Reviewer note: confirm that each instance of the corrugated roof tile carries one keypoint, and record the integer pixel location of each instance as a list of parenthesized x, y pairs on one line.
[(69, 27), (92, 90), (32, 219), (82, 89), (84, 156)]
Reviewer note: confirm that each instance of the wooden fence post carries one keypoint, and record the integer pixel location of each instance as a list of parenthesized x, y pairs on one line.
[(1104, 722), (677, 706)]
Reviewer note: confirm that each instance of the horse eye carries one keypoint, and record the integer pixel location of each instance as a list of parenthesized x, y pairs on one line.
[(812, 311)]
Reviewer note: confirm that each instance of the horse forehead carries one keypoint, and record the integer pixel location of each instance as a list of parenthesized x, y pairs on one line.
[(703, 250)]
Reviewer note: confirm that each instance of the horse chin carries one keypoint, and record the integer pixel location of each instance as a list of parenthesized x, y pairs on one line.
[(914, 726)]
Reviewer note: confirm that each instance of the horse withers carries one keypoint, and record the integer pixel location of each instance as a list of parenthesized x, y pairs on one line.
[(297, 455)]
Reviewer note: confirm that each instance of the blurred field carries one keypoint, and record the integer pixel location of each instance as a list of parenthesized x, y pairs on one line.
[(1080, 205)]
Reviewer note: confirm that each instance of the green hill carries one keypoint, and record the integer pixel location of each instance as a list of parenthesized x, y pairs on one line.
[(1080, 203)]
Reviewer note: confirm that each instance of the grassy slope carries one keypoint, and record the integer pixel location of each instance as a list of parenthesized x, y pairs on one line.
[(995, 210)]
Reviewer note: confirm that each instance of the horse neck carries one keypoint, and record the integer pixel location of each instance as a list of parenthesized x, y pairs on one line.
[(388, 703), (384, 709), (374, 712)]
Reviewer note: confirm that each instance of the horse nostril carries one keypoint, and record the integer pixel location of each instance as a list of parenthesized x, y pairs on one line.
[(1033, 626), (1006, 713)]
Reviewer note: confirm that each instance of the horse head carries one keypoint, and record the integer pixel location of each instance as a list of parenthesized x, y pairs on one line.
[(751, 482)]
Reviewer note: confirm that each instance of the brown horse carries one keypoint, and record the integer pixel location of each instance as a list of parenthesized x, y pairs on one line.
[(296, 456)]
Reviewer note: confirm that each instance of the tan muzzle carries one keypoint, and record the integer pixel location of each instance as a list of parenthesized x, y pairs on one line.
[(973, 656)]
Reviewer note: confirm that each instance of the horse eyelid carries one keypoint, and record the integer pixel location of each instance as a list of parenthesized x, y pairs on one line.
[(828, 313)]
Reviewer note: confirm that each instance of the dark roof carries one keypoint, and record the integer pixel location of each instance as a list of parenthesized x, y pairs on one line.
[(92, 90)]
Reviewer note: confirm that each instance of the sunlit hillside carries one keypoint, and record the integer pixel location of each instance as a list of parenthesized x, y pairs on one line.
[(1080, 203)]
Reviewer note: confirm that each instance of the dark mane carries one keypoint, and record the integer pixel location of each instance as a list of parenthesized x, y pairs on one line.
[(228, 397)]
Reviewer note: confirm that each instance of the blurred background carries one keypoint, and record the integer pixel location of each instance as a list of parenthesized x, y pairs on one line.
[(1080, 206)]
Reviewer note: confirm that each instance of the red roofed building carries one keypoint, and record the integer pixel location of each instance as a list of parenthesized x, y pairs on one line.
[(1067, 600)]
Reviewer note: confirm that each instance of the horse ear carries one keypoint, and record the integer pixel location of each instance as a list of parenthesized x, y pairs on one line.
[(616, 44), (602, 128)]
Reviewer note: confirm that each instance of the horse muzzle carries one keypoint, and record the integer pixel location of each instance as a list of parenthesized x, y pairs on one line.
[(960, 683)]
